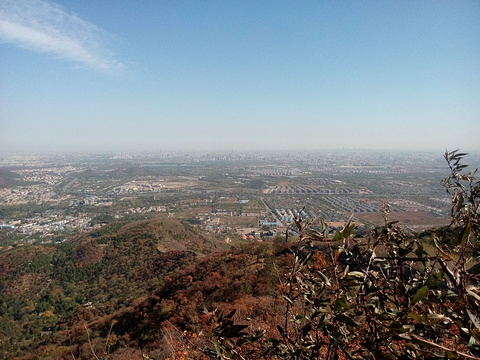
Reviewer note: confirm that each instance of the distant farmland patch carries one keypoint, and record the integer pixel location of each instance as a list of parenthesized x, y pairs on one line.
[(416, 220), (194, 211)]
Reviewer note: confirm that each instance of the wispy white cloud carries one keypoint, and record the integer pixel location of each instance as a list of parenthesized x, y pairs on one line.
[(46, 27)]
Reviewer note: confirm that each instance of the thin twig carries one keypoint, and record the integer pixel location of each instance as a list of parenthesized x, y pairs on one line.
[(441, 347), (107, 347), (89, 342)]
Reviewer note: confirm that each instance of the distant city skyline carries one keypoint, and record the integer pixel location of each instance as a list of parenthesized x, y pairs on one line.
[(267, 75)]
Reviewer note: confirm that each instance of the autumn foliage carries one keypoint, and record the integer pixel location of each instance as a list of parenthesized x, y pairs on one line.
[(163, 290)]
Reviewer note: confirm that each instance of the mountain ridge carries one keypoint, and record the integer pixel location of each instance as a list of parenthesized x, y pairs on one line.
[(115, 266)]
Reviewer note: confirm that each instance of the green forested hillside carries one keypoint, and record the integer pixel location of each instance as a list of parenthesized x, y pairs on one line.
[(43, 287)]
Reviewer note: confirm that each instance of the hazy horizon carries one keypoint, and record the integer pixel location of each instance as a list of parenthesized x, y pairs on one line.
[(239, 76)]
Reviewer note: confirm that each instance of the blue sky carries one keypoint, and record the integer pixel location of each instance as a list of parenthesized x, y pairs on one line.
[(239, 75)]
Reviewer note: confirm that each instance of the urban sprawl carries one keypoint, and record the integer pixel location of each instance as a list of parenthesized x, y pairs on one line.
[(47, 198)]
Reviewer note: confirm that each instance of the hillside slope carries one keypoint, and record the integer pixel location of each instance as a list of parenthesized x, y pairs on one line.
[(42, 286)]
